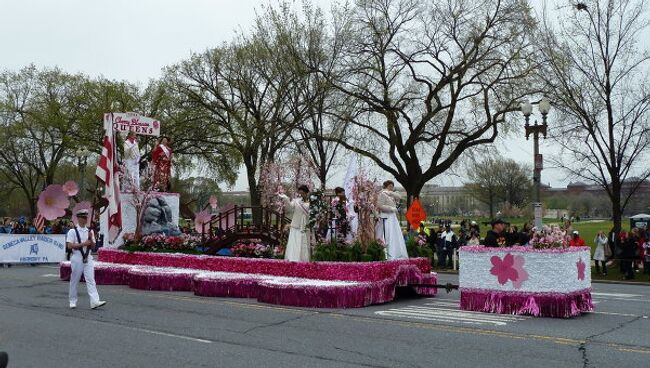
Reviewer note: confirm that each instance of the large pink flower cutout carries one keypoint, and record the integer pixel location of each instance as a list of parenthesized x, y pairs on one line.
[(519, 267), (581, 269), (200, 219), (503, 269), (71, 188), (85, 205), (213, 201), (52, 202)]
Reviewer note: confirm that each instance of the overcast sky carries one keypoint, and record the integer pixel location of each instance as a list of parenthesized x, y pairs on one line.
[(134, 39)]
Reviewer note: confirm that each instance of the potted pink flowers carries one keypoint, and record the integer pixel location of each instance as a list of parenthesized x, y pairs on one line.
[(549, 237)]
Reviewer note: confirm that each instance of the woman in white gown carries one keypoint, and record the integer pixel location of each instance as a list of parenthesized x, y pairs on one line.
[(388, 228), (298, 248)]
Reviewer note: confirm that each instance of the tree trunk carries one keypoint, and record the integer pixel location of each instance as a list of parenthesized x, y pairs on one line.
[(617, 211), (31, 199), (322, 177), (491, 205), (254, 192), (413, 189)]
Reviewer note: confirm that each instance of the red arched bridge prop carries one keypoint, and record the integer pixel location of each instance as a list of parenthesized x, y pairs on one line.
[(241, 223)]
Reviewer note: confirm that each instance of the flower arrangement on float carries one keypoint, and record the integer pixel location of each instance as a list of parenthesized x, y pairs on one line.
[(320, 213), (256, 250), (183, 243), (417, 246), (549, 237)]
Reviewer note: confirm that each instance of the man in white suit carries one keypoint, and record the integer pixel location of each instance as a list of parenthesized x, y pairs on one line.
[(132, 161)]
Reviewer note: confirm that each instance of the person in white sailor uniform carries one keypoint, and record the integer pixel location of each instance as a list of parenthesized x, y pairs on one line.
[(81, 241)]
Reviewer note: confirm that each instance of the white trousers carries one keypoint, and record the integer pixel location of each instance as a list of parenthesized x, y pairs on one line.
[(133, 172), (88, 271)]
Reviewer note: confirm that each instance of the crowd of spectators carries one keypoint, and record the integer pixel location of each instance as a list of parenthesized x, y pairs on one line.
[(23, 226)]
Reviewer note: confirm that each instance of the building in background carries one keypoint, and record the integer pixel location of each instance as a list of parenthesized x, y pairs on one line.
[(576, 199)]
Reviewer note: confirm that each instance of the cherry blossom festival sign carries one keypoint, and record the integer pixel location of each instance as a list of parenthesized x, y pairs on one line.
[(131, 121), (552, 282)]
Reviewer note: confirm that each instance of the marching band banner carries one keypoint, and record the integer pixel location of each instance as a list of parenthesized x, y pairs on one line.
[(32, 248), (125, 121)]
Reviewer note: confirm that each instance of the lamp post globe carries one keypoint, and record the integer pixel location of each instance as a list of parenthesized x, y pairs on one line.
[(526, 108), (544, 105)]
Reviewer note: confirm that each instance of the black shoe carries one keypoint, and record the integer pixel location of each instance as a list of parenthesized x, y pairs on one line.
[(4, 359)]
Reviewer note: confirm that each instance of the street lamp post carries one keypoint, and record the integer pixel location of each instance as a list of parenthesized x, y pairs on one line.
[(536, 130), (82, 161)]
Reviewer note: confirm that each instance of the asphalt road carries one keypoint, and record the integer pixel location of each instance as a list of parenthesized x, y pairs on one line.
[(158, 329)]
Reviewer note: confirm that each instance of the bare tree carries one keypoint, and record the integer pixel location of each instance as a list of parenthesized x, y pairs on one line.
[(484, 183), (598, 80), (242, 91), (496, 181), (425, 82), (303, 41)]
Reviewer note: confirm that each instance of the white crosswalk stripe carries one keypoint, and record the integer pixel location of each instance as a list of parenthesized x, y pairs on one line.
[(619, 296), (449, 312), (616, 295)]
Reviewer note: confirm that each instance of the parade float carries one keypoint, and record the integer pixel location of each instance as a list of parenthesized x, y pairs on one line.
[(144, 249), (545, 279), (302, 284)]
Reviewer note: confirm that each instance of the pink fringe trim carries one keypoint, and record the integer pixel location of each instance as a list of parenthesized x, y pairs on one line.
[(105, 273), (556, 305)]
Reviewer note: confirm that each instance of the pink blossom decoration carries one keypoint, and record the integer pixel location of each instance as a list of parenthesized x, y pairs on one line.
[(200, 219), (503, 269), (71, 188), (85, 205), (52, 202), (519, 267), (213, 202), (581, 269)]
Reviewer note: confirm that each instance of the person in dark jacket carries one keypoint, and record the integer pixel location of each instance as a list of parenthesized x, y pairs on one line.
[(613, 243), (524, 234), (495, 238), (448, 243), (628, 245)]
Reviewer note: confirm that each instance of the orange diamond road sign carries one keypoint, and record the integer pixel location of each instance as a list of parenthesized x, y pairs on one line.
[(415, 214)]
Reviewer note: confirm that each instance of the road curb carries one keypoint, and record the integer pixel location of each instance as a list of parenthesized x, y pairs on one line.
[(621, 282)]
